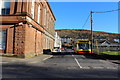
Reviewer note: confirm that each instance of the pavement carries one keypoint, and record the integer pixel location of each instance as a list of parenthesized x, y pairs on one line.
[(7, 60)]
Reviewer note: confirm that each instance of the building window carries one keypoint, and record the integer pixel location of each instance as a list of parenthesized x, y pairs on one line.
[(47, 20), (45, 15), (2, 40), (5, 8), (38, 20), (32, 8), (5, 11)]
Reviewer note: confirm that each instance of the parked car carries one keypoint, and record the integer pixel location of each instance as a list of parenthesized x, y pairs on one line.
[(56, 49), (62, 49)]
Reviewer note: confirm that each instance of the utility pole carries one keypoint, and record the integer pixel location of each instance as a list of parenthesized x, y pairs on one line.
[(91, 23)]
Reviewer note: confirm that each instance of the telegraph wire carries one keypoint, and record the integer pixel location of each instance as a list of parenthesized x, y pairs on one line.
[(105, 11), (91, 21), (97, 12), (86, 21)]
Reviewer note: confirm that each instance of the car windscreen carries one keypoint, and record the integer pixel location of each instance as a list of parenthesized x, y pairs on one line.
[(83, 46)]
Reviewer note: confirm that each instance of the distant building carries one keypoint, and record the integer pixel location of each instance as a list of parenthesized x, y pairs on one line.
[(27, 28), (66, 40), (58, 42), (107, 44)]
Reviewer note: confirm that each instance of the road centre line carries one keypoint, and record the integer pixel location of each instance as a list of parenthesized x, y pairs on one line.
[(77, 61)]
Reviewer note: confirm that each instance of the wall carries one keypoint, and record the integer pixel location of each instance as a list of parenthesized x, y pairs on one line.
[(26, 36), (33, 41)]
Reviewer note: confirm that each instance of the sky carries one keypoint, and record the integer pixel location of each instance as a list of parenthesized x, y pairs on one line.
[(73, 15)]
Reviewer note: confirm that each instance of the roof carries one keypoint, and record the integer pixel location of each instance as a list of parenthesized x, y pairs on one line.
[(50, 9), (108, 41)]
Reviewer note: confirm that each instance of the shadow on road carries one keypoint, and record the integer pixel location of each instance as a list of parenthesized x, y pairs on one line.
[(102, 56), (45, 71), (92, 56)]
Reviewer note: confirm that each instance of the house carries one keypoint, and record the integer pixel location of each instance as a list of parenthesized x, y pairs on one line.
[(26, 27), (107, 44), (66, 40), (58, 42)]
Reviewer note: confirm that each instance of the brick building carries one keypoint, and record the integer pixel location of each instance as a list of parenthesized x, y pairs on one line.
[(26, 28)]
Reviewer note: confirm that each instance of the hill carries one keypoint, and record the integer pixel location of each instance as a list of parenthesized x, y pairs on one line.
[(85, 34)]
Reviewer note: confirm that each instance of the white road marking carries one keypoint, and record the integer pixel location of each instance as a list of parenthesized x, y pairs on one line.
[(77, 62), (3, 62), (112, 68), (86, 67), (46, 58), (98, 67), (34, 62)]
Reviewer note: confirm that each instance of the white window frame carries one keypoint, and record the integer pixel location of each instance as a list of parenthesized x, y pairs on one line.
[(45, 15), (39, 14), (32, 8)]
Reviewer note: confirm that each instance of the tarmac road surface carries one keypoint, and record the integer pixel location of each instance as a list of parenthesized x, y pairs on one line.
[(60, 66)]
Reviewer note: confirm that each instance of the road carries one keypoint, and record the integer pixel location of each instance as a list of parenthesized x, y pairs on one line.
[(61, 66)]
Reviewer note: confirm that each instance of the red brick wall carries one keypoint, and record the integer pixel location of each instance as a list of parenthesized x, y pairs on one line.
[(15, 39), (30, 39), (24, 39), (33, 40), (19, 44), (9, 44), (38, 42)]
